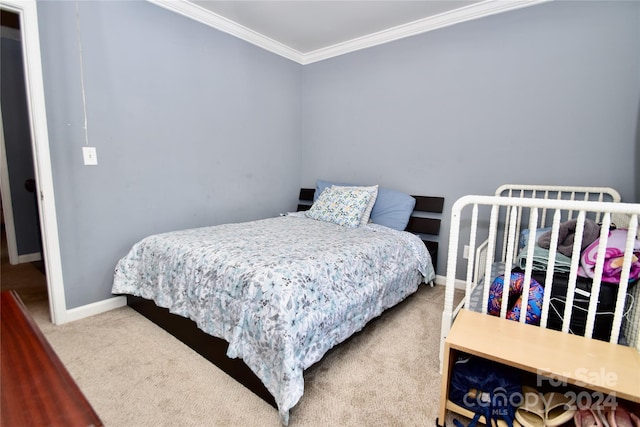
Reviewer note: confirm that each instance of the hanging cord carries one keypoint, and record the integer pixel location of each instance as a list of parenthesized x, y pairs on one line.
[(84, 98), (563, 301)]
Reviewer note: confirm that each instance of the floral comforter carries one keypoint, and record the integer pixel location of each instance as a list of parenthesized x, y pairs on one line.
[(282, 291)]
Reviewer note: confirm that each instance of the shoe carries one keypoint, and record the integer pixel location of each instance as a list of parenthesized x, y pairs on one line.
[(602, 416), (531, 412), (558, 409), (620, 417), (586, 418)]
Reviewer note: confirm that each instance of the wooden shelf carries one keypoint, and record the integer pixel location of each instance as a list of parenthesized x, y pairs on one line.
[(564, 358)]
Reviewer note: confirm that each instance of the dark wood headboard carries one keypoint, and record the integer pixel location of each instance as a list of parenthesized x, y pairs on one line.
[(425, 220)]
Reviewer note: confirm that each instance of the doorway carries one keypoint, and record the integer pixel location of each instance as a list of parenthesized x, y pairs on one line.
[(22, 266), (27, 12)]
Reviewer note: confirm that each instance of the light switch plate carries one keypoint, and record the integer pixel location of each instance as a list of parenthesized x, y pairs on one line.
[(90, 156)]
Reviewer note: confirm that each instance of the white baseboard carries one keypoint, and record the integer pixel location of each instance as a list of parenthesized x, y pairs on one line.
[(441, 280), (36, 256), (460, 284), (94, 308)]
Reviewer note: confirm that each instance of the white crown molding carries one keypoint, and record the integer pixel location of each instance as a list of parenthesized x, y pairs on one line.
[(204, 16), (464, 14), (473, 11)]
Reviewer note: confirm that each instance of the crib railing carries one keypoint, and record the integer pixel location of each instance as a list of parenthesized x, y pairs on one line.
[(552, 192), (530, 210)]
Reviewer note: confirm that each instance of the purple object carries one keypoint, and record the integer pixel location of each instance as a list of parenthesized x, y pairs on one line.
[(613, 258)]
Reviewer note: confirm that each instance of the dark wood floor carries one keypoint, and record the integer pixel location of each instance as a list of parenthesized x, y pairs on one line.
[(27, 279)]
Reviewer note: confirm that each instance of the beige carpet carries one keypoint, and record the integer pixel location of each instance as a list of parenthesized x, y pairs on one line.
[(135, 374)]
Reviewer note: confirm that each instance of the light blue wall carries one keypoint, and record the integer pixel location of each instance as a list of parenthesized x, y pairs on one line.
[(543, 95), (192, 127), (637, 157)]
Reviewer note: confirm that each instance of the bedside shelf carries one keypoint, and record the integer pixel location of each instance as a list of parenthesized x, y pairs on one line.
[(564, 358)]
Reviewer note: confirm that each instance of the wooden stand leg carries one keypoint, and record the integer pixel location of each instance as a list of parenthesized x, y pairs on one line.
[(444, 388)]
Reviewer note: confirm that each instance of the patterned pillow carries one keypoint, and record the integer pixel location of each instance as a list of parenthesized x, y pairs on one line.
[(373, 193), (340, 205), (392, 208)]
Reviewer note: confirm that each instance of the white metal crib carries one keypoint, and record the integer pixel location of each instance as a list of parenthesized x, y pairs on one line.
[(491, 225)]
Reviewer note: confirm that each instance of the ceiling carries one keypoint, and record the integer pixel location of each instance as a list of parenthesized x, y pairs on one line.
[(311, 30), (308, 25)]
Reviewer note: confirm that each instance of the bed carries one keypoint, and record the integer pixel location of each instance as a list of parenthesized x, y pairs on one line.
[(563, 258), (266, 299)]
